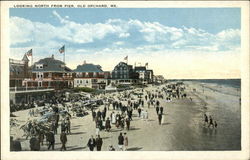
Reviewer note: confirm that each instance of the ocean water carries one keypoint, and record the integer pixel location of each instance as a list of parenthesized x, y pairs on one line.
[(236, 83)]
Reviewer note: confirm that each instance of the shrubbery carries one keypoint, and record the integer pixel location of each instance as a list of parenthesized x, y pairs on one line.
[(140, 85), (122, 86), (84, 89)]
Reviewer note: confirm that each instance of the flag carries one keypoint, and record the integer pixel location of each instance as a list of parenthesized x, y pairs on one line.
[(29, 53), (126, 58), (62, 49)]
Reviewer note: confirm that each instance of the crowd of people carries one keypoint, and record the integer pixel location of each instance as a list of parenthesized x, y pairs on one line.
[(120, 105)]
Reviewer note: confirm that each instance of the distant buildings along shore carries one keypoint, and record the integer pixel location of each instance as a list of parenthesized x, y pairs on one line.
[(49, 74)]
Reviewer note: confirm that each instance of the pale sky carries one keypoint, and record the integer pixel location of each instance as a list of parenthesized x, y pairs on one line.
[(175, 42)]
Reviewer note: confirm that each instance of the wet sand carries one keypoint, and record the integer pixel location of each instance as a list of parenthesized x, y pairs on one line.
[(183, 127)]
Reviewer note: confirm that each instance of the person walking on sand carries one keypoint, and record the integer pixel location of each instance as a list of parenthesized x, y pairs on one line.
[(157, 109), (159, 118), (98, 142), (148, 103), (125, 141), (215, 124), (68, 125), (113, 118), (120, 142), (107, 125), (157, 103), (127, 123), (161, 110), (146, 115), (63, 138), (211, 122), (97, 128), (51, 140), (63, 126), (93, 115), (34, 143), (205, 119), (162, 119), (91, 143), (139, 112), (15, 145)]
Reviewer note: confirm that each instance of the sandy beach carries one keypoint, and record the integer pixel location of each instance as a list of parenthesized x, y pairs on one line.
[(183, 127)]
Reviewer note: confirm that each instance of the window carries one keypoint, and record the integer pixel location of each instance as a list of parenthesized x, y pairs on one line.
[(39, 66), (87, 81), (39, 84), (77, 81), (39, 75), (81, 81)]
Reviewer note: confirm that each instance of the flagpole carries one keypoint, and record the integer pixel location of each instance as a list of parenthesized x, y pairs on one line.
[(64, 54), (64, 65)]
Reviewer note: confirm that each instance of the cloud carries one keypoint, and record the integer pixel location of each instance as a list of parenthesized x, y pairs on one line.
[(229, 35), (119, 43), (109, 42), (124, 35), (133, 31), (21, 30)]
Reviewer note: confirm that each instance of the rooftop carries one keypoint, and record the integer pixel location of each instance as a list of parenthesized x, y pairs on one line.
[(140, 68), (88, 67), (51, 65)]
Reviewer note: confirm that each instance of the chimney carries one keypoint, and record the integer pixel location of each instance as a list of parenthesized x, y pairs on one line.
[(84, 62), (52, 56)]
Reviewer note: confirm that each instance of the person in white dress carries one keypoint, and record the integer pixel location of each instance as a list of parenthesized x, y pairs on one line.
[(146, 115), (113, 118), (162, 119)]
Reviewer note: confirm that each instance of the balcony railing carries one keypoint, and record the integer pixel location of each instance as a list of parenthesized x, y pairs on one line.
[(15, 89)]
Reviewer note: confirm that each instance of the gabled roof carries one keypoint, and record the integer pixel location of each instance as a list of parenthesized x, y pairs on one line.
[(16, 68), (25, 58), (88, 67), (124, 64), (51, 65)]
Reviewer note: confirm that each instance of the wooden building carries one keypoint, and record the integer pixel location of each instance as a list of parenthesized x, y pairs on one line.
[(50, 73), (91, 76), (19, 70), (124, 74)]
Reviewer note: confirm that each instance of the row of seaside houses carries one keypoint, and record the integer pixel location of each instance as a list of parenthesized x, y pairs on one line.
[(52, 73)]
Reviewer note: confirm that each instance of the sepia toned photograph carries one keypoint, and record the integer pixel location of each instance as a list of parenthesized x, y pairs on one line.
[(107, 78)]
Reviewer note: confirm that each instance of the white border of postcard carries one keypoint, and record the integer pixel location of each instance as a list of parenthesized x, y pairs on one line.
[(243, 154)]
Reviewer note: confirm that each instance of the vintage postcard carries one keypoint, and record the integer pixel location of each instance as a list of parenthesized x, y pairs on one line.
[(124, 80)]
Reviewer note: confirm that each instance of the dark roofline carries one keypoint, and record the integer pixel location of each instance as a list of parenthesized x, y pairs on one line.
[(79, 69)]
